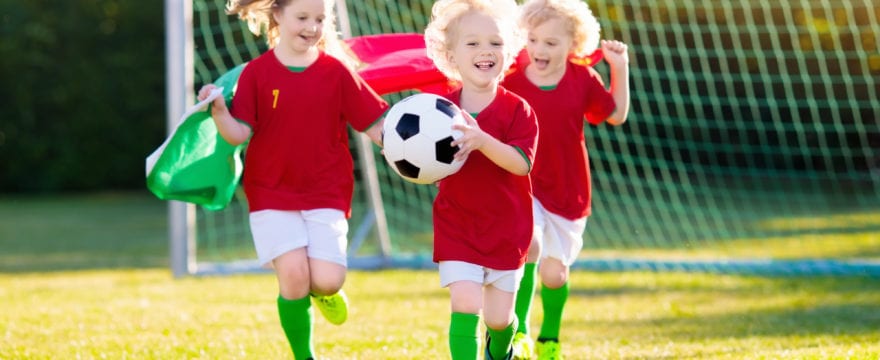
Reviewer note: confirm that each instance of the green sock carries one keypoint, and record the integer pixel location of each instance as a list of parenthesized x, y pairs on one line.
[(501, 340), (296, 320), (524, 297), (463, 339), (554, 301)]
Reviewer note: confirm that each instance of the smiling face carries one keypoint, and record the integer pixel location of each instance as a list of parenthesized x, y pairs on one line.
[(477, 50), (549, 44), (301, 24)]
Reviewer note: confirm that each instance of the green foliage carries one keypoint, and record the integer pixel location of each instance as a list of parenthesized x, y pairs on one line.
[(83, 93)]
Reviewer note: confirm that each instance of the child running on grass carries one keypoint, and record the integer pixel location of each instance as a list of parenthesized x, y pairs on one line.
[(294, 103), (483, 213), (563, 95)]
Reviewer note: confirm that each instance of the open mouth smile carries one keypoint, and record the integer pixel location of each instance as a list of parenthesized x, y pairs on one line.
[(484, 65)]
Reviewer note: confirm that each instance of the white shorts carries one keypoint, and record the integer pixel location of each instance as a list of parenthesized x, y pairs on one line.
[(321, 231), (561, 238), (504, 280)]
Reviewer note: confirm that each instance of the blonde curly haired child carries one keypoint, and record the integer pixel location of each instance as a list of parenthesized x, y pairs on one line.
[(483, 213), (299, 96), (563, 93)]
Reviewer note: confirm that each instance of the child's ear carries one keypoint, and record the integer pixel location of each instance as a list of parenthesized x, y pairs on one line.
[(276, 13)]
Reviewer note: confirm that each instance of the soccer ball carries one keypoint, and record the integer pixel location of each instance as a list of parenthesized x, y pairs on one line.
[(417, 137)]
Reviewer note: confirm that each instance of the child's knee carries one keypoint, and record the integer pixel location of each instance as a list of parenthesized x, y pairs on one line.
[(554, 273)]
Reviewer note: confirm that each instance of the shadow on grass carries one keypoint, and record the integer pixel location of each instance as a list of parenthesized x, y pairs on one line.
[(744, 307)]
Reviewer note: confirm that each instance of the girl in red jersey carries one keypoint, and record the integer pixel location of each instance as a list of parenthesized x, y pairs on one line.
[(563, 94), (293, 104), (483, 213)]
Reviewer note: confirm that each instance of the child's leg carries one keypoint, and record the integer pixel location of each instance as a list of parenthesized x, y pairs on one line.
[(280, 239), (327, 230), (466, 300), (563, 241), (294, 305), (330, 299), (523, 345), (297, 320), (498, 310), (526, 292), (554, 295), (525, 295), (463, 335)]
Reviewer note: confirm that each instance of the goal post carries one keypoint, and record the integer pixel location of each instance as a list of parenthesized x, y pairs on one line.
[(752, 145), (376, 217), (183, 218), (178, 81)]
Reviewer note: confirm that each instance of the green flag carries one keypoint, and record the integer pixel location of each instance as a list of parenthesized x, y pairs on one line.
[(195, 164)]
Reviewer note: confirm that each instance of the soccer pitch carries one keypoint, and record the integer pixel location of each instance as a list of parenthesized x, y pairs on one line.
[(402, 314), (86, 277)]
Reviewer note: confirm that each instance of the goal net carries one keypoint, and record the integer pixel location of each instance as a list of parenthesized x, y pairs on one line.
[(752, 146)]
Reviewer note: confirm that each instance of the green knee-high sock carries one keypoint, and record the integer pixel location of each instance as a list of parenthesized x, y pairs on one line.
[(524, 297), (463, 339), (297, 320), (554, 302), (501, 340)]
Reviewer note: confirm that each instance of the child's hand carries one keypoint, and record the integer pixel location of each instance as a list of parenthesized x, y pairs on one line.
[(615, 53), (219, 104), (472, 137)]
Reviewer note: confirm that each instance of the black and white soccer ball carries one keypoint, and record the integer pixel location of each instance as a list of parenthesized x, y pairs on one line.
[(417, 137)]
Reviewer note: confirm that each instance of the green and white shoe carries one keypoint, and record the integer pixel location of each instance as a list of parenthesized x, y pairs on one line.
[(548, 350), (333, 307), (523, 347)]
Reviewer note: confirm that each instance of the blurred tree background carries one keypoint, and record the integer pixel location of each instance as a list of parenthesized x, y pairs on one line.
[(82, 101)]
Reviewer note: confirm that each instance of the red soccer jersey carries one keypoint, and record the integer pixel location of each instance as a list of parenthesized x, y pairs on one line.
[(561, 174), (483, 213), (298, 156)]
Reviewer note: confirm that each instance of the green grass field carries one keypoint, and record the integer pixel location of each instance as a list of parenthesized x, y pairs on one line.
[(85, 277)]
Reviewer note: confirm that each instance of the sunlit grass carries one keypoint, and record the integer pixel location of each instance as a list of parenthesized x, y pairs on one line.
[(145, 314), (852, 236), (86, 277), (837, 221)]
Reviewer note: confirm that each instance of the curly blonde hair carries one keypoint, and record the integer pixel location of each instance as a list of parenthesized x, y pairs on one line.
[(441, 32), (258, 16), (579, 21)]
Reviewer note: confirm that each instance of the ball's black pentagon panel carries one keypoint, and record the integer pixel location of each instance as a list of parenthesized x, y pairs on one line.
[(408, 126), (446, 107), (444, 151), (407, 169)]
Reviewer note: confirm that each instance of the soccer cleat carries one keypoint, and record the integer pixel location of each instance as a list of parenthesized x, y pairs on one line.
[(548, 350), (333, 307), (523, 347)]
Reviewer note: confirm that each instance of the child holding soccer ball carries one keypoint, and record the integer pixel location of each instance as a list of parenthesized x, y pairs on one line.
[(483, 213), (293, 104), (563, 94)]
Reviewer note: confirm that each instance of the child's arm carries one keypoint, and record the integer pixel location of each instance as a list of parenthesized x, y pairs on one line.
[(618, 61), (503, 155), (230, 129), (375, 132)]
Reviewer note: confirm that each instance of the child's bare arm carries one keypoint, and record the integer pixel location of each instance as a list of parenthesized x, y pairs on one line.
[(230, 129), (617, 57), (375, 132), (474, 138)]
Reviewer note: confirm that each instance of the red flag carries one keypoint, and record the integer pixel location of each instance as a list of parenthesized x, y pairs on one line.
[(398, 61)]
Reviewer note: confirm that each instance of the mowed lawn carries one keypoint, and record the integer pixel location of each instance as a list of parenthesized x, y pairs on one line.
[(114, 298)]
